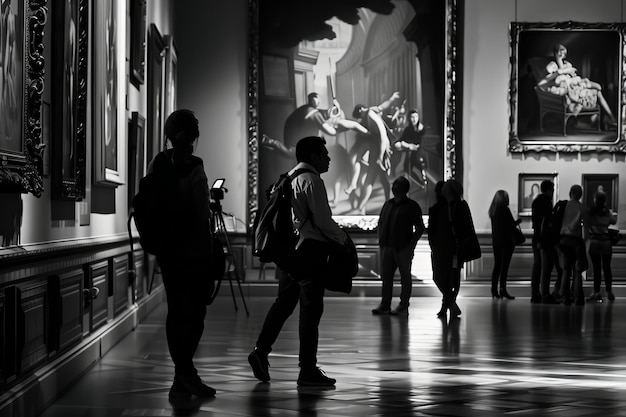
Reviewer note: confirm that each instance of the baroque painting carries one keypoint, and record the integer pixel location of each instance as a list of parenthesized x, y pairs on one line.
[(566, 88), (374, 81)]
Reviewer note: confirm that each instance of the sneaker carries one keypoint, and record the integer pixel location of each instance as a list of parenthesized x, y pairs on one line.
[(179, 391), (535, 299), (381, 310), (610, 295), (260, 365), (579, 301), (566, 301), (596, 296), (193, 385), (455, 311), (314, 377), (400, 311)]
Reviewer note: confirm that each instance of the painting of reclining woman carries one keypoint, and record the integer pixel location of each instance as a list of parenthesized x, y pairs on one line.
[(566, 84), (351, 73)]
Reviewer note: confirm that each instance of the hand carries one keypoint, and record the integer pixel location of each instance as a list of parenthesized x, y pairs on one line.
[(395, 96)]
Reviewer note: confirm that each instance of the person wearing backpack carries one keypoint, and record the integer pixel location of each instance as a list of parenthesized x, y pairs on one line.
[(183, 262), (544, 248), (573, 253), (317, 232)]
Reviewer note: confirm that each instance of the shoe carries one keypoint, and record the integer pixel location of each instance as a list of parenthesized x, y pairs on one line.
[(506, 295), (381, 310), (610, 295), (400, 311), (567, 301), (179, 391), (314, 377), (443, 311), (192, 384), (535, 299), (596, 296), (549, 300), (455, 311), (494, 293), (579, 301), (260, 365)]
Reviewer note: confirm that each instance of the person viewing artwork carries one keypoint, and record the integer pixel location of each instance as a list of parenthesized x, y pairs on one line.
[(580, 93)]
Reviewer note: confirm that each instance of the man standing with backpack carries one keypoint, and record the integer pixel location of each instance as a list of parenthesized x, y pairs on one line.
[(317, 231)]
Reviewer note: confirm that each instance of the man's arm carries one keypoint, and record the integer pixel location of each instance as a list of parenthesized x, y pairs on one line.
[(386, 105), (317, 200)]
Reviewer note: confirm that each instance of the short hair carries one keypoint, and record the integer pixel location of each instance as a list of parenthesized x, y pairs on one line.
[(454, 187), (546, 185), (403, 183), (599, 199), (576, 192), (181, 127), (309, 146), (356, 113), (413, 111)]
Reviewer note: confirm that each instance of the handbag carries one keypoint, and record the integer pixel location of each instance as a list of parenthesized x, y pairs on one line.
[(342, 266), (518, 236), (614, 236)]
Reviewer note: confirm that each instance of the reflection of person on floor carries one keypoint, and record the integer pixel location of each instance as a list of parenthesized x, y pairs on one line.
[(379, 161), (411, 142), (580, 93)]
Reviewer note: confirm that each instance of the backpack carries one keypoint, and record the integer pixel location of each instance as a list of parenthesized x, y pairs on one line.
[(551, 225), (275, 238), (159, 208)]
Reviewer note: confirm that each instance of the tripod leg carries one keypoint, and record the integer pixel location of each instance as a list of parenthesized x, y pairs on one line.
[(230, 281)]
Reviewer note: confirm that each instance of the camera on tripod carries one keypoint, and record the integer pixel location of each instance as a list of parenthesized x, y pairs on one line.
[(217, 190)]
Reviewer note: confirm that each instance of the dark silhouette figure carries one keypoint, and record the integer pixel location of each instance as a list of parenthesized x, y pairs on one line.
[(317, 229), (600, 247)]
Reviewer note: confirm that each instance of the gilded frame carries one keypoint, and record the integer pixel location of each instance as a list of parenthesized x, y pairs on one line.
[(446, 126), (21, 162), (529, 187), (536, 121), (69, 97), (609, 183)]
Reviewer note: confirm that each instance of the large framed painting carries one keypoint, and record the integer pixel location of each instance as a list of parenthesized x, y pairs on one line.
[(69, 95), (22, 25), (137, 42), (106, 85), (567, 87), (530, 187), (377, 82), (171, 75), (606, 183), (156, 82)]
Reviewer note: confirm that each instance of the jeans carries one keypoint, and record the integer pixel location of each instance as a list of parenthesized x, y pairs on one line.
[(544, 260), (392, 259), (502, 259), (308, 288), (572, 251), (601, 252)]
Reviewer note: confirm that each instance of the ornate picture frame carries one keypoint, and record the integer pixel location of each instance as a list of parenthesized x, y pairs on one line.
[(69, 97), (21, 147), (171, 75), (106, 119), (137, 42), (567, 87), (421, 66), (136, 146), (608, 183), (156, 94), (529, 188)]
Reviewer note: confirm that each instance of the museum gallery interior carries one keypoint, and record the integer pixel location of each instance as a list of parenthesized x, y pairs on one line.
[(506, 93)]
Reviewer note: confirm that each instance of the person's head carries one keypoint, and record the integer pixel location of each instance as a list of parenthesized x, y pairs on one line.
[(359, 111), (314, 100), (575, 192), (500, 199), (414, 117), (547, 187), (181, 128), (438, 190), (599, 200), (400, 188), (559, 51), (312, 150), (452, 190)]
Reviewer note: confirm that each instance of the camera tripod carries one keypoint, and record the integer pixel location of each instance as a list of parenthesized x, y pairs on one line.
[(231, 267)]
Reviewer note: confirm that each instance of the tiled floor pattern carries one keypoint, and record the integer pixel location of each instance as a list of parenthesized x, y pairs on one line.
[(499, 358)]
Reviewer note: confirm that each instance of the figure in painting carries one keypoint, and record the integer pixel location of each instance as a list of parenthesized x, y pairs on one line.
[(9, 111)]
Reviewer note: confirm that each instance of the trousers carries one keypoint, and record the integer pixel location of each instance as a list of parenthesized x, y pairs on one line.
[(391, 260)]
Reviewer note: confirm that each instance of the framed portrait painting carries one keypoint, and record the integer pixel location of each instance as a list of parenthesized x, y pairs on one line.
[(69, 95), (156, 94), (606, 183), (567, 86), (137, 42), (21, 85), (106, 86), (530, 187), (378, 86)]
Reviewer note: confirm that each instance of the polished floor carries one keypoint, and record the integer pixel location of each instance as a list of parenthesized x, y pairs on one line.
[(500, 357)]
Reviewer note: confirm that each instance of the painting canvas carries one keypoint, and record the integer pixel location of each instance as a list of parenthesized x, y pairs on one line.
[(21, 68), (606, 183), (106, 82), (309, 75), (567, 87), (530, 187)]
